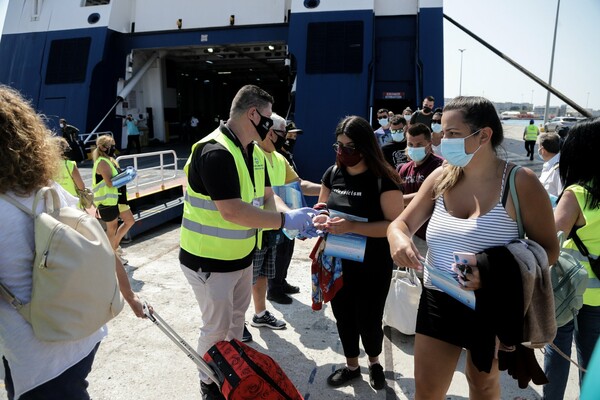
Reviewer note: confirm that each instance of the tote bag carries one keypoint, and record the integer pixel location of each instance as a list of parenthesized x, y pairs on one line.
[(402, 302)]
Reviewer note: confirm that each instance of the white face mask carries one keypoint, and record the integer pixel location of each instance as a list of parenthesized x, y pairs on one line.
[(437, 128), (62, 125), (383, 121)]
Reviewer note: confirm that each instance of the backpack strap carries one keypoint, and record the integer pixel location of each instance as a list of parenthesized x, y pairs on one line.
[(515, 198), (18, 205)]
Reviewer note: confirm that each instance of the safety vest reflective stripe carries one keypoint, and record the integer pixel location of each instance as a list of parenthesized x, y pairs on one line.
[(211, 206), (593, 283), (216, 231), (104, 195)]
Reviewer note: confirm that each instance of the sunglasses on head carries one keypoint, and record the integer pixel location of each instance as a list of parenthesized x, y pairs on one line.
[(342, 148)]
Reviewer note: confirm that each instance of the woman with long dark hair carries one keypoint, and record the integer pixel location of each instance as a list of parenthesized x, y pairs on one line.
[(578, 214), (364, 185)]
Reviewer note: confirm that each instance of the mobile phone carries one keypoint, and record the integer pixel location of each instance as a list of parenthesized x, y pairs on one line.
[(464, 261), (465, 258)]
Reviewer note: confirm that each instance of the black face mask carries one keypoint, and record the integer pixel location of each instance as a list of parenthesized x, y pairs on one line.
[(278, 144), (289, 145), (111, 151), (426, 110), (263, 127)]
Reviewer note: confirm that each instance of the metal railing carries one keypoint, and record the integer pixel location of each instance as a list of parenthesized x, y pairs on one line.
[(165, 171)]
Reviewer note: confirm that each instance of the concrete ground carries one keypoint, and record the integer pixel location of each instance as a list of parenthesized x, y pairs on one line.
[(137, 361)]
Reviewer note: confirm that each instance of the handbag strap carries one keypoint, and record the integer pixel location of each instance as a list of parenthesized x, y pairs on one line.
[(515, 199), (580, 246)]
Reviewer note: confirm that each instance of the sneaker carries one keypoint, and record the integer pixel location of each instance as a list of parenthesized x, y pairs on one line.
[(376, 376), (268, 320), (124, 260), (246, 335), (342, 376), (290, 289), (120, 251), (211, 391), (280, 298)]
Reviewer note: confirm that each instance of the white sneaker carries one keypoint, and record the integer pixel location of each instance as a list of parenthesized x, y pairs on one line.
[(120, 251), (124, 260)]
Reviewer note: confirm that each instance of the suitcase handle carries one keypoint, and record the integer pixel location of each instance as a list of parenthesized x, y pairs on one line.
[(213, 374)]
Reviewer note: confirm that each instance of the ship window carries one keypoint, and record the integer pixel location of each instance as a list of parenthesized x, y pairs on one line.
[(88, 3), (334, 47), (68, 60)]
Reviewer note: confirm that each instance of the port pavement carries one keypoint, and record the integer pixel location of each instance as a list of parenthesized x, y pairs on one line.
[(137, 361)]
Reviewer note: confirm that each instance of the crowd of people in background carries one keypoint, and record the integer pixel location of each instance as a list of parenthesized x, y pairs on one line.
[(422, 185)]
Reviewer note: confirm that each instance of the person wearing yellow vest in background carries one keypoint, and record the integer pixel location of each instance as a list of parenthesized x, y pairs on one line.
[(578, 212), (530, 135), (110, 201), (69, 177), (280, 173), (228, 198)]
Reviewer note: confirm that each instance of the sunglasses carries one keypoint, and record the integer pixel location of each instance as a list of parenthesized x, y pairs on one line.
[(341, 148)]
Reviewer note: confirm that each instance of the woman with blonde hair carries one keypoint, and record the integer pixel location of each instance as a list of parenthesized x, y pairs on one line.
[(29, 160), (111, 201), (469, 210)]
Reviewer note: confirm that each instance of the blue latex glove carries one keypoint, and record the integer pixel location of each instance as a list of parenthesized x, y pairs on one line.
[(299, 219), (309, 233)]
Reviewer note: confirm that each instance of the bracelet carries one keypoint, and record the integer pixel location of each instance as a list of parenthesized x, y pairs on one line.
[(324, 212), (282, 220)]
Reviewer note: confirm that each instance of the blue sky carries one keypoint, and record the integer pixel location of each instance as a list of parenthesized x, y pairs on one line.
[(523, 30)]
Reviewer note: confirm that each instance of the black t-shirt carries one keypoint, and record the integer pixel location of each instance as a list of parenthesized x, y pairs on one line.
[(395, 153), (359, 195), (212, 172), (419, 117)]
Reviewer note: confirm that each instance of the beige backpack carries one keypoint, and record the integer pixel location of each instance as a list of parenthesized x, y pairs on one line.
[(74, 290)]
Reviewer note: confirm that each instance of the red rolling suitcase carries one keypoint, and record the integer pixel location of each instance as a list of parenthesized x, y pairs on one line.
[(241, 372)]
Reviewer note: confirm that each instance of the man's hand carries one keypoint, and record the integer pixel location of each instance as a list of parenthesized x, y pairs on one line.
[(299, 220)]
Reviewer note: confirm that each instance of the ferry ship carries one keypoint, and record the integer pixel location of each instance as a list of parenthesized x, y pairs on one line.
[(94, 61), (164, 61)]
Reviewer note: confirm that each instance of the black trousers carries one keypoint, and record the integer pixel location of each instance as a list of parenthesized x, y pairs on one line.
[(70, 385), (283, 258), (358, 306), (530, 146), (133, 140)]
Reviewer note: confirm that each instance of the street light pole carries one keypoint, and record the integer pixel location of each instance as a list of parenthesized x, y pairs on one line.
[(461, 60), (551, 64)]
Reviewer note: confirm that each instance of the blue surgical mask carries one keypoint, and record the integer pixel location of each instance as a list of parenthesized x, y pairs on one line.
[(453, 150), (437, 128), (383, 121), (417, 154), (397, 136), (540, 156)]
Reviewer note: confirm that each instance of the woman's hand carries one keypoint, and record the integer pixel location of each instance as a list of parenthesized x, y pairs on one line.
[(137, 306), (403, 251), (468, 277), (338, 226)]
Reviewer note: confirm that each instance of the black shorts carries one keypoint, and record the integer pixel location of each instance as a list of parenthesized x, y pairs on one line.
[(108, 213), (442, 317)]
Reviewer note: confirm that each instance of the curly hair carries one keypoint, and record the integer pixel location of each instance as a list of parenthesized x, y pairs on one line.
[(29, 156)]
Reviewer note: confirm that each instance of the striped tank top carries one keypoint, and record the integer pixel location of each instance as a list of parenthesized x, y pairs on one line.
[(446, 233)]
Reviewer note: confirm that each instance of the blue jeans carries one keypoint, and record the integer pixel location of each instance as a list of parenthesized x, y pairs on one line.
[(555, 366), (70, 385)]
